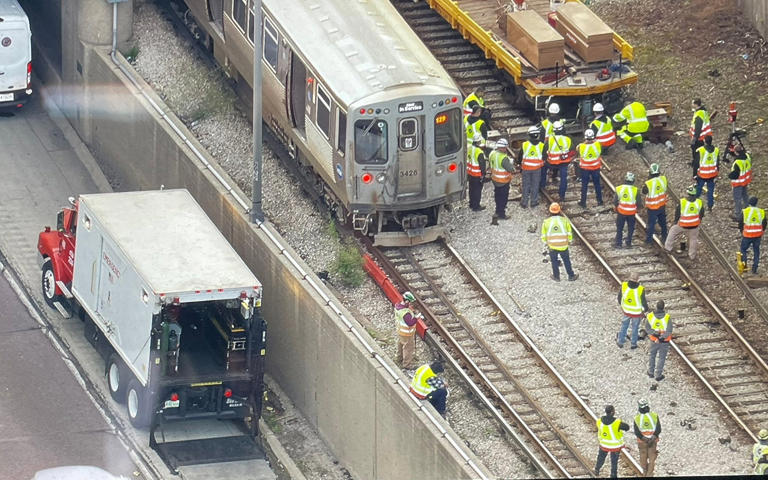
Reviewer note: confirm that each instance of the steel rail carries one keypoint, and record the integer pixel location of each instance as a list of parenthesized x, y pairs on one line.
[(702, 296)]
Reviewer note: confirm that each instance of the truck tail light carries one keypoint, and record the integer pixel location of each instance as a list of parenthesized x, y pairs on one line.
[(29, 74), (227, 392), (174, 397)]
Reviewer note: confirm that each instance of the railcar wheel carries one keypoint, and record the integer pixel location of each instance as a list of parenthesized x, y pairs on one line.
[(117, 378), (49, 283), (139, 411)]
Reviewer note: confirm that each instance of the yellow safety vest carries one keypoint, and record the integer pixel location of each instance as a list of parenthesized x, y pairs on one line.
[(753, 222), (473, 161), (631, 303), (635, 115), (533, 155), (589, 156), (419, 385), (609, 436), (757, 451), (473, 128), (627, 199), (689, 212), (559, 146), (706, 128), (498, 173), (604, 132), (469, 98), (657, 192), (549, 127), (658, 325), (556, 232), (646, 423), (745, 171), (402, 327), (707, 162)]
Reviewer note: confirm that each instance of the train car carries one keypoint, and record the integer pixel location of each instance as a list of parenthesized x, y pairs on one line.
[(571, 82), (359, 101)]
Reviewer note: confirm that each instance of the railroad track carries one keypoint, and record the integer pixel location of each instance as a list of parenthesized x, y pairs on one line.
[(704, 338), (502, 362)]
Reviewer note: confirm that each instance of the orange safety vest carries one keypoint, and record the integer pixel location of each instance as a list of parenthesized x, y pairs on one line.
[(559, 149), (589, 156), (605, 133), (533, 155), (473, 163), (753, 222), (745, 171), (627, 199), (689, 212), (707, 162), (657, 192), (498, 173)]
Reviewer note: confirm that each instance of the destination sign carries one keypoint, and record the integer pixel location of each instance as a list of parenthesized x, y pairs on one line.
[(410, 107)]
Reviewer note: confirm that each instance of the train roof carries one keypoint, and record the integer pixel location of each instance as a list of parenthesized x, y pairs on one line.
[(358, 47)]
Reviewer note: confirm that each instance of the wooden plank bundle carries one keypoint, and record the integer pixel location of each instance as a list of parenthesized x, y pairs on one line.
[(539, 43), (585, 32)]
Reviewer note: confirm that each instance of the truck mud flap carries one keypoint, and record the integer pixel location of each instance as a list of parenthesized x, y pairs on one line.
[(206, 451)]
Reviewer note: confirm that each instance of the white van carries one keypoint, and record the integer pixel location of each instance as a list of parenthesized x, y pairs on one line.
[(15, 55)]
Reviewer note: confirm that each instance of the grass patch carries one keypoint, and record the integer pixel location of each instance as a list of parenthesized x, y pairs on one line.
[(131, 54), (272, 423), (349, 266), (331, 230)]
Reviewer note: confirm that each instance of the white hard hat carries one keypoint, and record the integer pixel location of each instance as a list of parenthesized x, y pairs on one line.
[(598, 107), (554, 108), (478, 137), (534, 129), (502, 143), (589, 134), (558, 125)]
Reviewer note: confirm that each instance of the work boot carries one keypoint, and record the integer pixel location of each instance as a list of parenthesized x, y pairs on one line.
[(582, 204), (573, 277), (557, 279)]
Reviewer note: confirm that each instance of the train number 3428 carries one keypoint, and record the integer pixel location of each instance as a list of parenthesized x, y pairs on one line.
[(408, 173)]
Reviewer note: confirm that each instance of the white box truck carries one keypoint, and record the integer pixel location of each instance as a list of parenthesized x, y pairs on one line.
[(15, 55), (166, 300)]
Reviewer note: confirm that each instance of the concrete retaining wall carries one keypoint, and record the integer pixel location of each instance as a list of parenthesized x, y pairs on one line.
[(370, 424), (756, 12)]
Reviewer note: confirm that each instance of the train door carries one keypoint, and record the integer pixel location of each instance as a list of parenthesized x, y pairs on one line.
[(216, 13), (410, 156), (298, 92)]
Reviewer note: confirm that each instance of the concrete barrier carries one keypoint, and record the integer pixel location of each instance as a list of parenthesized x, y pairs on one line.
[(373, 427), (756, 12)]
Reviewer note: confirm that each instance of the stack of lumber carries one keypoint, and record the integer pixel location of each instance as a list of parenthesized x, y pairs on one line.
[(536, 40), (584, 32)]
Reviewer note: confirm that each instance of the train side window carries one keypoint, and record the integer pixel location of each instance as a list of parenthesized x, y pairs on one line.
[(371, 141), (341, 131), (270, 43), (239, 8), (251, 21), (448, 132), (323, 111)]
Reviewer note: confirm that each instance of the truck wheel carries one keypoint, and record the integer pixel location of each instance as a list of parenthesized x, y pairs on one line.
[(49, 283), (139, 412), (117, 378)]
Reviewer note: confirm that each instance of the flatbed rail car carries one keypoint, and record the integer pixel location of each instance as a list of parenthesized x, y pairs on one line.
[(368, 113), (477, 22)]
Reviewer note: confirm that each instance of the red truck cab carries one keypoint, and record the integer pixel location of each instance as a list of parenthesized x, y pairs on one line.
[(57, 251)]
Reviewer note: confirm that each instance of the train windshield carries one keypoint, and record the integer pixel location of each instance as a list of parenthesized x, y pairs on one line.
[(448, 132), (371, 141)]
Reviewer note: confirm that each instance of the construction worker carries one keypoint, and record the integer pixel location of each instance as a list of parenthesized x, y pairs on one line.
[(741, 177), (548, 124), (659, 328), (626, 202), (501, 175), (610, 435), (647, 430), (700, 127), (556, 234), (405, 322), (655, 191), (427, 385), (475, 124), (590, 163), (636, 124), (752, 226), (475, 171), (633, 304), (688, 216), (531, 161), (603, 127), (761, 467), (476, 97), (706, 168), (559, 155), (759, 447)]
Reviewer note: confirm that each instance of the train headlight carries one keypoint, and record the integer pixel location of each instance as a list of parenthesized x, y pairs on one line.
[(381, 178), (386, 111), (439, 171), (434, 104)]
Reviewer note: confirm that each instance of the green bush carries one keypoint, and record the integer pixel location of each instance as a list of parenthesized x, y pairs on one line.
[(349, 266)]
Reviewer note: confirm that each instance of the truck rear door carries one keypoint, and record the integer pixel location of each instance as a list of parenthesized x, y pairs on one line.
[(15, 54)]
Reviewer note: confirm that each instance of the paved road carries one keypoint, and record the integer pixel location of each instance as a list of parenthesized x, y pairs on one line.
[(46, 418)]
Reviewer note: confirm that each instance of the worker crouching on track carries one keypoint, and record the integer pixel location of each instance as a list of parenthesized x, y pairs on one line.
[(590, 162), (688, 216), (610, 435), (655, 190), (633, 305), (705, 167), (556, 233), (659, 328), (603, 127), (475, 172), (405, 321), (752, 226), (501, 175), (427, 385), (647, 430), (636, 124), (626, 201), (531, 161)]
